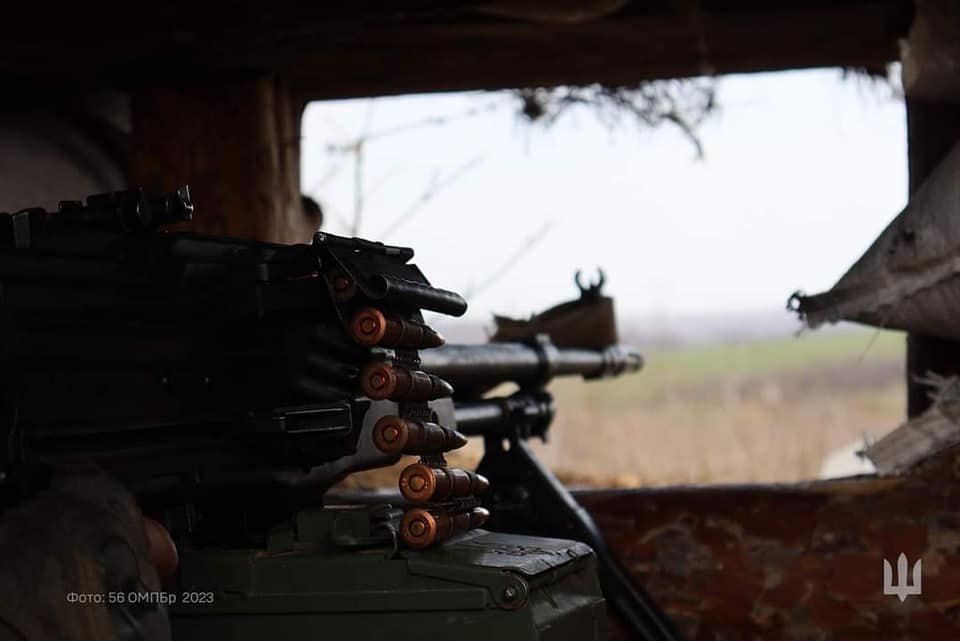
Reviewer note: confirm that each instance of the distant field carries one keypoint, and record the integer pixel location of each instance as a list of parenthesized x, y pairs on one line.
[(762, 411), (768, 359), (767, 410)]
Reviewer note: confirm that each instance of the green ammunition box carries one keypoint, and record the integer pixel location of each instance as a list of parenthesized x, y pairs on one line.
[(328, 576)]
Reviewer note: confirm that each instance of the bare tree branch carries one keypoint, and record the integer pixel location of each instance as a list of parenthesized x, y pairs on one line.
[(435, 186), (529, 243), (357, 187), (436, 121), (685, 103), (356, 148)]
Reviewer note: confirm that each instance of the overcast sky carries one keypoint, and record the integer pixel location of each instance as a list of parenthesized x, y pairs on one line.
[(802, 170)]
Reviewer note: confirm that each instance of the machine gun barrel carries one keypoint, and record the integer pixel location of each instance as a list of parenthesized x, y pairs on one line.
[(525, 414), (473, 367)]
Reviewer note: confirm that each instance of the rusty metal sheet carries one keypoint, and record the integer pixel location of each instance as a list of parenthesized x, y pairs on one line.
[(797, 562)]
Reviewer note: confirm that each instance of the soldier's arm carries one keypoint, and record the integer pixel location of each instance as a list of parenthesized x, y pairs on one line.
[(68, 552)]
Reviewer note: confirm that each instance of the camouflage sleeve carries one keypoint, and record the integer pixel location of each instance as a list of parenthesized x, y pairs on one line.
[(66, 554)]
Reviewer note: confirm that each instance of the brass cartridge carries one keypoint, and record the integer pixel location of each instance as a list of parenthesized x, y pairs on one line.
[(371, 327), (395, 435), (420, 528), (421, 483), (381, 380)]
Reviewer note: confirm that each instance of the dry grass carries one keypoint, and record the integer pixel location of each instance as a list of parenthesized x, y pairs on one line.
[(717, 435)]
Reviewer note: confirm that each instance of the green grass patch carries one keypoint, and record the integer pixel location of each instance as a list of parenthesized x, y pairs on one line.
[(757, 358), (712, 363)]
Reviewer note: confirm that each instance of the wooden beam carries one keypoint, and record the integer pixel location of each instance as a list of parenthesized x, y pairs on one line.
[(931, 75), (931, 55), (237, 145), (793, 562), (337, 50), (624, 50)]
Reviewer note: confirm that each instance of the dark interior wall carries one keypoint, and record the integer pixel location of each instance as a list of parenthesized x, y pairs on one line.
[(236, 143), (63, 152)]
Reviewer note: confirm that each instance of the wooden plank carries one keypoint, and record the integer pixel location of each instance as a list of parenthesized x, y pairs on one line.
[(931, 55), (236, 145), (344, 50), (626, 51), (794, 562), (933, 127)]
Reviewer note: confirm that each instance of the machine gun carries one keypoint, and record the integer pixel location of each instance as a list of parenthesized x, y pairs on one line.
[(229, 384), (187, 364), (526, 497), (577, 338)]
